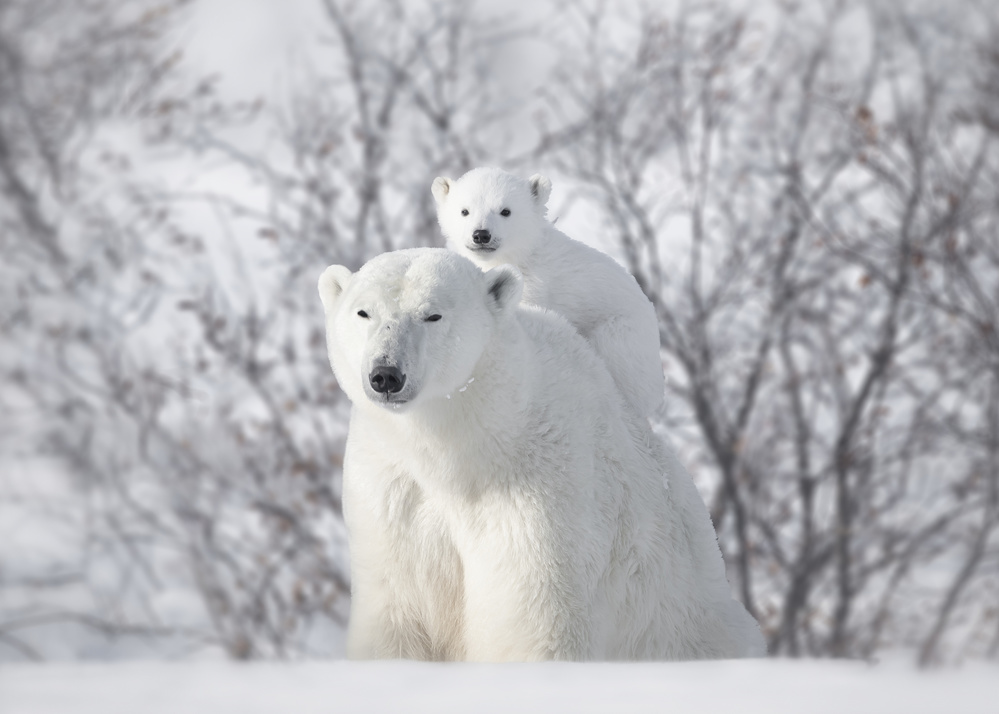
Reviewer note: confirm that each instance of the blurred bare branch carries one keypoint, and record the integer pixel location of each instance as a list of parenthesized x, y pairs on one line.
[(791, 200)]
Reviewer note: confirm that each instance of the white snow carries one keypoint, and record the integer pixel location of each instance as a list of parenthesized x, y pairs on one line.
[(771, 686)]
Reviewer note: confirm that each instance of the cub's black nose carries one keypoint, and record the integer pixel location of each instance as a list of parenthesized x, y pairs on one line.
[(481, 236), (386, 379)]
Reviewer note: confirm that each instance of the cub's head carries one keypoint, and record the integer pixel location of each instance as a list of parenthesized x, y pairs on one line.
[(490, 215), (410, 326)]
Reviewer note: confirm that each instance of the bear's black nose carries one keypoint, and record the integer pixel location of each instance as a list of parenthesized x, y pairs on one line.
[(481, 236), (386, 379)]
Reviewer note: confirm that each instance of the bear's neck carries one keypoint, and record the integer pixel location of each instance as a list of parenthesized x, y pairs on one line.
[(483, 423), (499, 384)]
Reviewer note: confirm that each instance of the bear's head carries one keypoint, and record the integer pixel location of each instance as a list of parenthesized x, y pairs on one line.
[(410, 326), (490, 215)]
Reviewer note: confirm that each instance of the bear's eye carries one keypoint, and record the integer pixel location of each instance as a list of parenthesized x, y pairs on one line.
[(432, 318), (464, 211), (362, 313), (505, 212)]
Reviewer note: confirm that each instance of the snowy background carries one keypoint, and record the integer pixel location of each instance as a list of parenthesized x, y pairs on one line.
[(808, 192)]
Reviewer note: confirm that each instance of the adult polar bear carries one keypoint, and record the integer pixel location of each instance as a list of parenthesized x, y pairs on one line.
[(502, 503), (494, 217)]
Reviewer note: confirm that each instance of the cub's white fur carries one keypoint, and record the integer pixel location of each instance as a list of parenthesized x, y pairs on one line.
[(599, 297), (501, 502)]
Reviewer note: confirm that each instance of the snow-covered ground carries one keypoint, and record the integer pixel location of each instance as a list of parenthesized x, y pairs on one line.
[(681, 688)]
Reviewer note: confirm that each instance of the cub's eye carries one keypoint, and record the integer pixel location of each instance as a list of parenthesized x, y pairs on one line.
[(432, 318), (505, 212), (464, 211), (362, 313)]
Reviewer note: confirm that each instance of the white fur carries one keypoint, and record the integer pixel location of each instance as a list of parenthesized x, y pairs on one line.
[(506, 505), (599, 297)]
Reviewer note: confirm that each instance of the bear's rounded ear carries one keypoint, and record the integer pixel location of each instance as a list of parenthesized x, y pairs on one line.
[(541, 189), (504, 285), (332, 283), (440, 188)]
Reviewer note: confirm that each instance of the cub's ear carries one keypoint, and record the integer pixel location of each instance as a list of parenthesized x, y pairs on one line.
[(332, 283), (504, 285), (541, 189), (440, 188)]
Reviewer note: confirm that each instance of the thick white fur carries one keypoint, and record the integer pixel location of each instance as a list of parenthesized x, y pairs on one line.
[(598, 296), (506, 505)]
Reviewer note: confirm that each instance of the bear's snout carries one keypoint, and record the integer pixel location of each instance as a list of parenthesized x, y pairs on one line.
[(481, 236), (386, 380)]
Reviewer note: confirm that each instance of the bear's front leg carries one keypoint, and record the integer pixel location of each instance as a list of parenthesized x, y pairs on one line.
[(369, 632), (406, 578), (393, 622), (522, 596)]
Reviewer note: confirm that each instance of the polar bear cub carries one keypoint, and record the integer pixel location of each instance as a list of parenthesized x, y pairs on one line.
[(501, 502), (494, 217)]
